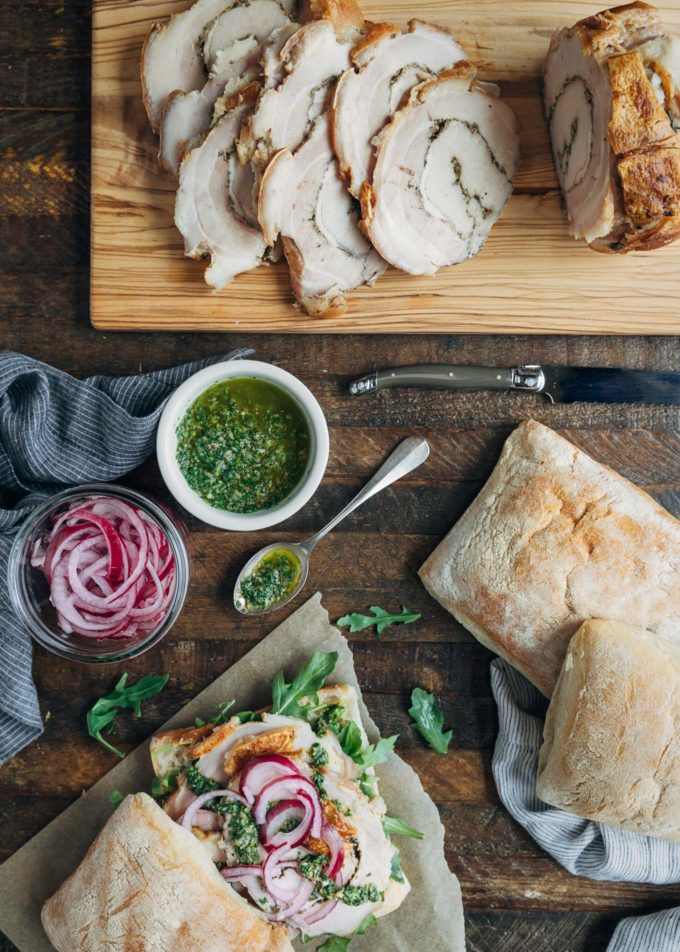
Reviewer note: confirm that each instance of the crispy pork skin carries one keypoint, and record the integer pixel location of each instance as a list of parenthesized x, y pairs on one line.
[(303, 199), (444, 170), (386, 64), (214, 209), (611, 100)]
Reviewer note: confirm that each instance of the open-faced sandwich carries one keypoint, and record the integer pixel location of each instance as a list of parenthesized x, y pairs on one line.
[(286, 803), (289, 832)]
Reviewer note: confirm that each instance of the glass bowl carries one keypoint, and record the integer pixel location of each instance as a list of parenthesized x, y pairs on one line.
[(30, 595)]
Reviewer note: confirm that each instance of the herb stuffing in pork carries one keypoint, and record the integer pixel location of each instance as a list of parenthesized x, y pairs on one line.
[(286, 803), (444, 169), (386, 64), (611, 85)]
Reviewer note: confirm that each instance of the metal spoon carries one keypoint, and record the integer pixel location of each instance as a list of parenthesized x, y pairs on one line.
[(410, 453)]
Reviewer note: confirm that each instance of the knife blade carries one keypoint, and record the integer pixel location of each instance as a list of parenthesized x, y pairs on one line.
[(558, 384)]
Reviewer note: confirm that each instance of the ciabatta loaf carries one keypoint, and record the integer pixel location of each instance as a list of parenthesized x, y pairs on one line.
[(611, 748), (553, 539)]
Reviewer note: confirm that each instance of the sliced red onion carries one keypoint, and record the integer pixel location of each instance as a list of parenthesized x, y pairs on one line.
[(239, 873), (284, 883), (278, 816), (336, 845), (305, 890), (316, 912), (110, 569), (191, 811), (290, 787), (110, 536), (262, 770)]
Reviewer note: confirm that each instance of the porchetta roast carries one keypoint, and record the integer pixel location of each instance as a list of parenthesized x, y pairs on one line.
[(611, 99), (286, 121)]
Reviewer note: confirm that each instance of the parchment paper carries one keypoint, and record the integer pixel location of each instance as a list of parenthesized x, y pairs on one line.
[(431, 917)]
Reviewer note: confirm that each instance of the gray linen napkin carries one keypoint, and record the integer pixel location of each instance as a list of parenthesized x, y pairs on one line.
[(56, 431), (583, 847)]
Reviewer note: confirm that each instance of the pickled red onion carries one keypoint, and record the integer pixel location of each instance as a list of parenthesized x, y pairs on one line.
[(261, 770), (110, 569)]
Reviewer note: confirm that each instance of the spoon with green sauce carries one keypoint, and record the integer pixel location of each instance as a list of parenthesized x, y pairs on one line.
[(274, 575)]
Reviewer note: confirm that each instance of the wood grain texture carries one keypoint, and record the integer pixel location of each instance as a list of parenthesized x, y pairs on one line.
[(531, 277)]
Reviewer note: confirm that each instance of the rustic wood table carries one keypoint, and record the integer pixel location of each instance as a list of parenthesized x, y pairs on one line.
[(516, 897)]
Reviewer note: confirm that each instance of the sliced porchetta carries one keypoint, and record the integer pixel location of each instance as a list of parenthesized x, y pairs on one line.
[(610, 100), (303, 199), (187, 115), (385, 66), (214, 208), (241, 29), (444, 169), (172, 57), (312, 59)]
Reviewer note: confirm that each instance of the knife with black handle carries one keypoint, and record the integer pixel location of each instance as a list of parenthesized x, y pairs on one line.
[(559, 384)]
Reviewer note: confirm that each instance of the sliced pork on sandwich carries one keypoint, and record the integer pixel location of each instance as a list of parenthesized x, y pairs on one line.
[(270, 822), (286, 804)]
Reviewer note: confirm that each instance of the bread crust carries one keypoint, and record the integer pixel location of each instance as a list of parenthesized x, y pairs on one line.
[(611, 749), (552, 539), (147, 885)]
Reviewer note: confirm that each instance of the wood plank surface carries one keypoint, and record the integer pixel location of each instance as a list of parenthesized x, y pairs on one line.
[(530, 277), (517, 899)]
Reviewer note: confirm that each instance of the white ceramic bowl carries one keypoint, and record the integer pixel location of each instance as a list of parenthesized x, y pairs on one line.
[(166, 445)]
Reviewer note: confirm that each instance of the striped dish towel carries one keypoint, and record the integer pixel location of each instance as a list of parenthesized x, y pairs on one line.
[(56, 431), (583, 847)]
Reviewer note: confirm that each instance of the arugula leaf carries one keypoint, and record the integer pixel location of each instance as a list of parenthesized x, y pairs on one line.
[(395, 868), (367, 785), (223, 714), (373, 755), (429, 720), (286, 697), (377, 753), (350, 739), (392, 826), (102, 715), (381, 619), (162, 786), (116, 797), (335, 943), (367, 924)]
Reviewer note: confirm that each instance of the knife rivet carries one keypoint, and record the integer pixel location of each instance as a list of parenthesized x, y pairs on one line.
[(498, 376)]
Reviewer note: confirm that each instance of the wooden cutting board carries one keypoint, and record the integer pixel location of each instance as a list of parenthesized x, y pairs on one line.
[(531, 277)]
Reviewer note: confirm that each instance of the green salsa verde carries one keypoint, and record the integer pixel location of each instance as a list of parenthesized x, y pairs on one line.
[(272, 580), (243, 445)]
